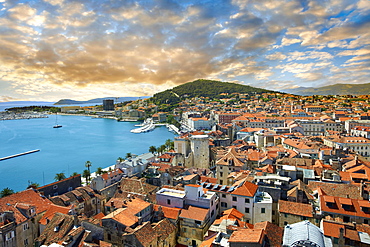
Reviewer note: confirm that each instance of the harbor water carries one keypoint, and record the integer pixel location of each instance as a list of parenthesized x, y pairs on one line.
[(65, 150)]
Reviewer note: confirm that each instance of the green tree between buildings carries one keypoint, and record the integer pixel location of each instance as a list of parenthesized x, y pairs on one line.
[(99, 171), (86, 175), (88, 165)]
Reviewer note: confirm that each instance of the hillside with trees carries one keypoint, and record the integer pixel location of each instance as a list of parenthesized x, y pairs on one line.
[(336, 89), (203, 88)]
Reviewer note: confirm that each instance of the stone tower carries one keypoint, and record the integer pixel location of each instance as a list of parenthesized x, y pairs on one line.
[(200, 149)]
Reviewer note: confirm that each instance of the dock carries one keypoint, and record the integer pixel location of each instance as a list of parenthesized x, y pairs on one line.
[(20, 154)]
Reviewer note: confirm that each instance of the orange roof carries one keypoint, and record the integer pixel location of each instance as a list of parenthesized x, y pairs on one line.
[(246, 189), (171, 213), (194, 213), (337, 206), (27, 198), (295, 208), (53, 209), (247, 236)]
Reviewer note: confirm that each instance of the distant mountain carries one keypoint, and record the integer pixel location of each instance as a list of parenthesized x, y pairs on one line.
[(337, 89), (203, 88), (96, 101)]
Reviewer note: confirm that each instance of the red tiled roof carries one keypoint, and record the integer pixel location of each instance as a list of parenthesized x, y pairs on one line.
[(247, 236), (49, 214), (274, 233), (295, 208), (171, 213), (29, 198), (194, 213), (246, 189), (355, 209)]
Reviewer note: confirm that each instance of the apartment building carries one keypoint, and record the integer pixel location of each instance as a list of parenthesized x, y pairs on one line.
[(245, 197)]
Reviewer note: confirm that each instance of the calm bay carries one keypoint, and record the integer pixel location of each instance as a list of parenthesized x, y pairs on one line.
[(66, 149)]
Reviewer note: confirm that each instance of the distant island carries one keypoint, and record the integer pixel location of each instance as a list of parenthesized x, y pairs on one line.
[(97, 100)]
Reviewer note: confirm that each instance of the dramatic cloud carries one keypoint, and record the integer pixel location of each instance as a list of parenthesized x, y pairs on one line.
[(56, 49)]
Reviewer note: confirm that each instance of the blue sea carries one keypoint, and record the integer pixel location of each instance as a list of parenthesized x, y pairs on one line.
[(66, 149)]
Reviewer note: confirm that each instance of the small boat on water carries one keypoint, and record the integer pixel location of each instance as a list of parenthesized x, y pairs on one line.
[(56, 122)]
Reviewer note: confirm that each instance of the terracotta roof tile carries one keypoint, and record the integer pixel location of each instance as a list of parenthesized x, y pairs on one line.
[(194, 213), (171, 213), (357, 208), (273, 232), (295, 208), (246, 189), (29, 197), (247, 236)]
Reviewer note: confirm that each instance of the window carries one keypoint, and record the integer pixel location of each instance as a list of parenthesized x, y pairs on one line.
[(223, 195), (234, 199), (285, 223), (234, 206), (25, 242), (221, 181), (9, 235), (346, 219), (55, 187), (246, 210), (224, 204), (247, 200), (221, 174), (303, 218), (366, 221), (273, 212), (25, 226), (198, 222), (263, 210), (168, 201)]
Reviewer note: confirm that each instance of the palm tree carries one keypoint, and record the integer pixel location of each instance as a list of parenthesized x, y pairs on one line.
[(32, 185), (88, 165), (86, 174), (59, 176), (120, 159), (6, 192), (128, 155), (74, 174), (99, 171), (152, 149)]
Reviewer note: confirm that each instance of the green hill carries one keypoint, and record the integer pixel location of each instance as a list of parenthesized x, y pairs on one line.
[(337, 89), (203, 88)]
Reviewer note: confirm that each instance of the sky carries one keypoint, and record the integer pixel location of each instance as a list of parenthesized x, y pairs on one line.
[(61, 49)]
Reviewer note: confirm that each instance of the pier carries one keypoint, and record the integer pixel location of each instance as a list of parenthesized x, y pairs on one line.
[(20, 154)]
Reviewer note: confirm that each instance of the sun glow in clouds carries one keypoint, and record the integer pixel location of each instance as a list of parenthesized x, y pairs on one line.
[(80, 49)]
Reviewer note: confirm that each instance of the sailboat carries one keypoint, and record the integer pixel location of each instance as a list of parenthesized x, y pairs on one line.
[(56, 122)]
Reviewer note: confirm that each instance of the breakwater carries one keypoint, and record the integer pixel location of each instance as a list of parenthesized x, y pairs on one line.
[(20, 154)]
